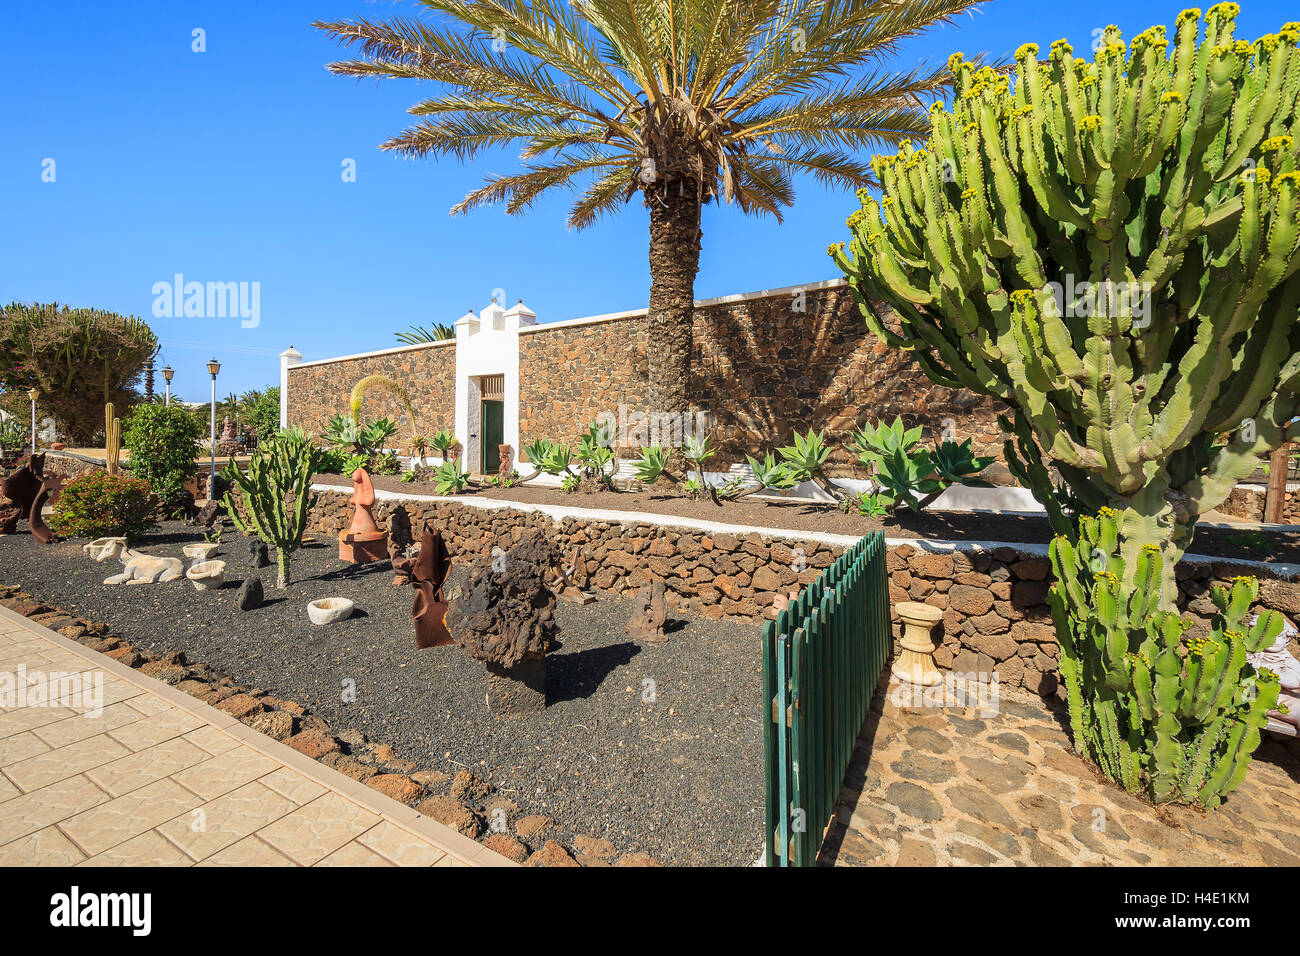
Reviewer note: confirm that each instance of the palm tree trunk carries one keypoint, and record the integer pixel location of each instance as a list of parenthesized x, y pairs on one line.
[(674, 260)]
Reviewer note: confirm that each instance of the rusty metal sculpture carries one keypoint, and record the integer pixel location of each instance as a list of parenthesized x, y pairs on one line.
[(30, 490), (427, 573)]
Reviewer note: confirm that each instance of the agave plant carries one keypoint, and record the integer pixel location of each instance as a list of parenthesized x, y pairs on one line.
[(653, 465), (450, 479), (769, 473), (959, 465), (874, 442)]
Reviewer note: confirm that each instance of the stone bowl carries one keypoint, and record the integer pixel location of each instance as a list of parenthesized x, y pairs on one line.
[(329, 610), (199, 552), (101, 549), (207, 575)]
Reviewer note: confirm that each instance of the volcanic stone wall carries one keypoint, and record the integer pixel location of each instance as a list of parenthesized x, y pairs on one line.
[(994, 601), (762, 368), (427, 373)]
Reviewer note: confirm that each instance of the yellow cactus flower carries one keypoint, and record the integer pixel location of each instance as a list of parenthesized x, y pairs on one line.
[(834, 248), (1090, 122), (1227, 11), (1021, 297), (1173, 96), (1061, 48), (954, 62), (1291, 179), (1026, 50), (1191, 13)]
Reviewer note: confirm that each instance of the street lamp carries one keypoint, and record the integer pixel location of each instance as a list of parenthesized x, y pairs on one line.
[(213, 368), (168, 372), (32, 393)]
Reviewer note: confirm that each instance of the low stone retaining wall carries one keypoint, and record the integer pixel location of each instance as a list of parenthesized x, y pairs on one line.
[(994, 599)]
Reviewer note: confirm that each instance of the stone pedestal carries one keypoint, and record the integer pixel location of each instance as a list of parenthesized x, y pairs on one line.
[(517, 690), (915, 663)]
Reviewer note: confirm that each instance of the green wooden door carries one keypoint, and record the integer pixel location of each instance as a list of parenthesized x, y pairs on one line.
[(493, 435)]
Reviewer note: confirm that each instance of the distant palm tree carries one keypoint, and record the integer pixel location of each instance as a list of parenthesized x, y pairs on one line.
[(682, 101), (419, 334)]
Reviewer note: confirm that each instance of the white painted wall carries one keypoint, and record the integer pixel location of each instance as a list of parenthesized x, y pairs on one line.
[(289, 357), (488, 344)]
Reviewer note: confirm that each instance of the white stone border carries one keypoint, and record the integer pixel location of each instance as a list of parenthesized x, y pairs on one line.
[(938, 545)]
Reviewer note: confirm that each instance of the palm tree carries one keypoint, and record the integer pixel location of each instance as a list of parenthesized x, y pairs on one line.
[(683, 101), (418, 335)]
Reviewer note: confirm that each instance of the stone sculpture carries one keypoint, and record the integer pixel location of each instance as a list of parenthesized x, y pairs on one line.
[(651, 614), (9, 515), (250, 594), (199, 552), (506, 454), (257, 553), (207, 575), (140, 568), (427, 573), (228, 429), (363, 541), (328, 610), (506, 618), (102, 549)]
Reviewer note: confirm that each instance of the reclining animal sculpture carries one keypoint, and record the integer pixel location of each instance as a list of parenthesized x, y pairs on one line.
[(140, 568)]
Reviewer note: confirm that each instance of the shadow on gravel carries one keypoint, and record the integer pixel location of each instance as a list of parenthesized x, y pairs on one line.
[(578, 675)]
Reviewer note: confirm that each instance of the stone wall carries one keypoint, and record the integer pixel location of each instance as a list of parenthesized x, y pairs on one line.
[(428, 373), (762, 368), (994, 602), (1246, 501)]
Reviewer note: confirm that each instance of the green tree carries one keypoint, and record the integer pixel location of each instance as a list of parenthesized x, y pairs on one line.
[(163, 441), (78, 359), (682, 102), (263, 412), (1111, 250)]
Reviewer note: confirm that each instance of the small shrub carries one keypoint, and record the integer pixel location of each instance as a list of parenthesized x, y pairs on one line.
[(162, 441), (100, 505)]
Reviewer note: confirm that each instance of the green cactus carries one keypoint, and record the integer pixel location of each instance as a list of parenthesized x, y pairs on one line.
[(1159, 710), (1110, 248), (281, 467)]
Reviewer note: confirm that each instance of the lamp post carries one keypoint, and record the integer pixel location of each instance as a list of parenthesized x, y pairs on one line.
[(168, 372), (32, 393), (213, 368)]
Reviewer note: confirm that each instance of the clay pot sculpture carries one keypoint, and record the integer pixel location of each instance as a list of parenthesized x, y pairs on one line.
[(199, 552), (363, 542), (207, 575), (102, 549), (426, 572), (50, 488), (328, 610)]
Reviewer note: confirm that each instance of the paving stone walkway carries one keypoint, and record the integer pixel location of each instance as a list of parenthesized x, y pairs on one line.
[(954, 786), (145, 775)]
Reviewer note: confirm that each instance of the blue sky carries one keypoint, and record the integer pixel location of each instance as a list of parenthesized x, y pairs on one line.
[(226, 166)]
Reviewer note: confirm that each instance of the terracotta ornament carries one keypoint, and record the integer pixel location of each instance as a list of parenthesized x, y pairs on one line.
[(363, 542), (570, 582), (507, 464), (427, 573)]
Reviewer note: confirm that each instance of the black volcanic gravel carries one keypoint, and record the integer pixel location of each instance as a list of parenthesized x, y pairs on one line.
[(679, 778)]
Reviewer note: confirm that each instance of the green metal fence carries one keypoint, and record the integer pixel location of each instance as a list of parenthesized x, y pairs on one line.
[(822, 657)]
